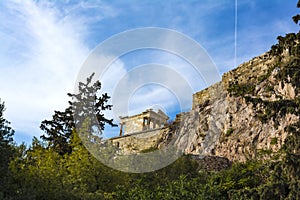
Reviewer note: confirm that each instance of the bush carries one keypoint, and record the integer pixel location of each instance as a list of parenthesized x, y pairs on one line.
[(274, 141), (241, 89), (229, 132)]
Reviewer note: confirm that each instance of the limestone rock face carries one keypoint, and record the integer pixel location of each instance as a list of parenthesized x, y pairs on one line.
[(286, 90), (198, 131), (244, 116), (228, 127)]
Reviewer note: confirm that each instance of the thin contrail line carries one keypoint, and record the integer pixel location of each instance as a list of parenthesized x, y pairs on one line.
[(235, 32)]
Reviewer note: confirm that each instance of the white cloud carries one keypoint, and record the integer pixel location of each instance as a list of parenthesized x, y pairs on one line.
[(152, 96), (40, 59)]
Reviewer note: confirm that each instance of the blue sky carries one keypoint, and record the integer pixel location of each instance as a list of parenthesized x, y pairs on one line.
[(44, 44)]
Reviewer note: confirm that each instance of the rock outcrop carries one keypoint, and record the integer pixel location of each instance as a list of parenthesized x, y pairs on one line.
[(246, 115)]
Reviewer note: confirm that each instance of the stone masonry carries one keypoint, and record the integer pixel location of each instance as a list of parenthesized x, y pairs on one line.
[(144, 121)]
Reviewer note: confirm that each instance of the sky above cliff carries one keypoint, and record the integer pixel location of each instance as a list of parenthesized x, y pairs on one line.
[(45, 43)]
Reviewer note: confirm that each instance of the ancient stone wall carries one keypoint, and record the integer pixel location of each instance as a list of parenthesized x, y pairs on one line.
[(137, 142)]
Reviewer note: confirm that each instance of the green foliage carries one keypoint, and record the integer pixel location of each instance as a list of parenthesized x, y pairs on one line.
[(203, 135), (264, 151), (296, 18), (59, 130), (249, 180), (269, 88), (271, 109), (87, 106), (229, 132), (290, 72), (6, 150), (241, 89), (6, 132), (287, 43), (151, 149), (274, 141), (41, 173)]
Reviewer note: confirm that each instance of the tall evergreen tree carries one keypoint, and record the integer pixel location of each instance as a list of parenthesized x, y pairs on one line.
[(59, 130), (87, 105)]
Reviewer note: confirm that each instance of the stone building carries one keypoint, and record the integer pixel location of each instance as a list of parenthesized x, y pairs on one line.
[(144, 121)]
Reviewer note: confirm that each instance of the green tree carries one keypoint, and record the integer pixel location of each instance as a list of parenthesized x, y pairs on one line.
[(86, 105), (59, 130), (6, 132), (38, 173), (6, 149), (87, 177)]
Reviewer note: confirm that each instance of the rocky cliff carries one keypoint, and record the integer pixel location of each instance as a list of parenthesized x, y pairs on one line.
[(249, 114)]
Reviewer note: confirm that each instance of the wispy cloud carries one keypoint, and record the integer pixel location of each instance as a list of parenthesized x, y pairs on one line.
[(43, 49)]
